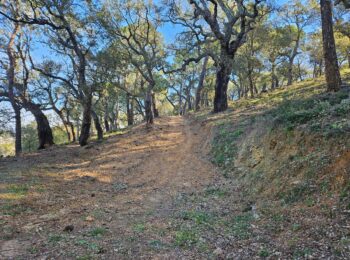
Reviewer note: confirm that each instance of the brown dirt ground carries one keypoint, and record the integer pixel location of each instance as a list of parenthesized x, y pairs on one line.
[(117, 188), (153, 194)]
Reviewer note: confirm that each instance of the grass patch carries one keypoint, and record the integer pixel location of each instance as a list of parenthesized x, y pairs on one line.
[(299, 192), (241, 226), (264, 253), (89, 245), (55, 238), (198, 217), (139, 228), (216, 192), (313, 111), (186, 238), (156, 244), (97, 232), (18, 189), (224, 146), (13, 209)]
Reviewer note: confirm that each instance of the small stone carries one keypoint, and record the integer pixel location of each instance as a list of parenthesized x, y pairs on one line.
[(69, 228), (218, 251), (89, 218)]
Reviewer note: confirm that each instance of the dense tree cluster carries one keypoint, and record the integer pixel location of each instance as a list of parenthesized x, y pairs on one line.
[(111, 63)]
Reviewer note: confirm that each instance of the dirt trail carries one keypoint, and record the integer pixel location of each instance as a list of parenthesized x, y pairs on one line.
[(125, 184)]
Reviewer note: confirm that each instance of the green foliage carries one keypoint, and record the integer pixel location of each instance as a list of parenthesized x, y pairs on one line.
[(345, 193), (216, 192), (89, 245), (296, 193), (18, 189), (97, 232), (241, 226), (294, 112), (13, 209), (197, 217), (139, 228), (6, 144), (224, 145), (55, 238), (264, 253), (59, 135), (30, 138), (186, 238)]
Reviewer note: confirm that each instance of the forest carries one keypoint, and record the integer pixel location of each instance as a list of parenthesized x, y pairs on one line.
[(173, 129)]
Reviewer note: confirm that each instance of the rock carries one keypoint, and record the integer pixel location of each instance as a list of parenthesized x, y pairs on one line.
[(49, 216), (88, 178), (89, 218), (218, 252), (69, 228)]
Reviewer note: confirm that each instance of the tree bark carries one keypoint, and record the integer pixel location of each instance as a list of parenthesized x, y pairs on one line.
[(149, 115), (86, 123), (251, 84), (105, 118), (221, 85), (129, 109), (154, 105), (18, 134), (70, 124), (201, 83), (97, 124), (181, 100), (290, 72), (45, 136), (10, 73), (329, 51), (273, 75), (106, 123)]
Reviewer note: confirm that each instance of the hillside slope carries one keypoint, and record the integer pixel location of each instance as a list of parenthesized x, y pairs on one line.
[(280, 188), (289, 153)]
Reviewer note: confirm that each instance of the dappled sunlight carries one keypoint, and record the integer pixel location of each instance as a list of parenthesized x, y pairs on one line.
[(11, 196)]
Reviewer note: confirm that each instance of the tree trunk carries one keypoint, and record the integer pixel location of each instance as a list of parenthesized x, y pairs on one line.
[(180, 100), (222, 80), (149, 107), (129, 109), (97, 124), (251, 84), (273, 75), (201, 83), (349, 59), (290, 72), (86, 123), (329, 51), (154, 105), (106, 117), (65, 123), (72, 131), (18, 135), (10, 73), (106, 123), (45, 136), (321, 68), (207, 99)]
